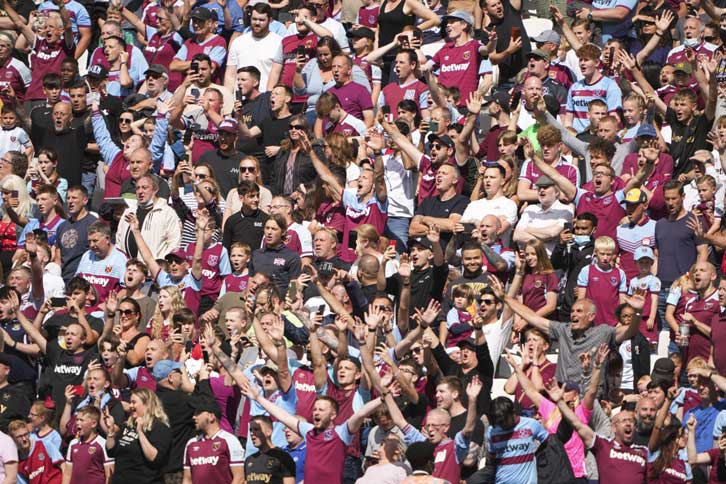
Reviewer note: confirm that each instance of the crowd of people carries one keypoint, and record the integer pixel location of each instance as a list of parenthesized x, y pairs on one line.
[(353, 241)]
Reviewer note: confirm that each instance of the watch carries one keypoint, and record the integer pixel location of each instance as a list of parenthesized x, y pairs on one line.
[(589, 17)]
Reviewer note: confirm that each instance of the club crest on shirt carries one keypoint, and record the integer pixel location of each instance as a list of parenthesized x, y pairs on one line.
[(216, 446), (328, 434), (537, 284), (614, 281), (213, 259), (707, 306), (91, 450), (467, 55), (108, 269), (279, 261), (41, 456), (645, 242)]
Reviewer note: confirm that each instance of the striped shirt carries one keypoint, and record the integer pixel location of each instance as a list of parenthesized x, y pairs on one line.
[(629, 238), (514, 450), (582, 94)]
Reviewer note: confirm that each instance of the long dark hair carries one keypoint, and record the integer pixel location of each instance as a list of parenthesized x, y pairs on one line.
[(668, 448)]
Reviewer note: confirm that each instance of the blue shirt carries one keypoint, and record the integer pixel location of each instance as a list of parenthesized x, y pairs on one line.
[(516, 445), (706, 418), (298, 456)]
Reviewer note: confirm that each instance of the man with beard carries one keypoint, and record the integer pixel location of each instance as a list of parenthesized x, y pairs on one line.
[(226, 159), (214, 455), (700, 311), (269, 464), (72, 235), (618, 459), (644, 420), (474, 275), (139, 376)]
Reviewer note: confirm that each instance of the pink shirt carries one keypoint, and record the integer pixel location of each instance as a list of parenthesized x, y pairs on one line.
[(574, 447)]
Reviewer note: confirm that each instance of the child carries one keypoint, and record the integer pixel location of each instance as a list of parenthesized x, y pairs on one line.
[(708, 208), (539, 287), (456, 327), (602, 282), (646, 281), (633, 111), (41, 415), (215, 265), (688, 397), (239, 257), (87, 460), (12, 136), (368, 14)]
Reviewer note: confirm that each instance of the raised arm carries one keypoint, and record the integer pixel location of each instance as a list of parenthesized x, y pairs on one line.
[(556, 391), (561, 20), (532, 318), (529, 389), (660, 418), (588, 400), (321, 168), (28, 327), (472, 392), (463, 141), (250, 391), (356, 420), (637, 302), (18, 21), (131, 18), (144, 250), (566, 187)]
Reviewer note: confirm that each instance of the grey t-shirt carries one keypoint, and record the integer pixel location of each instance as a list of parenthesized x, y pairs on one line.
[(571, 346)]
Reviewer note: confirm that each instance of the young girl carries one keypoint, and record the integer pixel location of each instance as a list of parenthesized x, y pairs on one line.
[(368, 14), (646, 281), (456, 327), (602, 282), (239, 257), (362, 46), (170, 301), (12, 136), (633, 112), (215, 264), (45, 172), (678, 295), (40, 417), (539, 287)]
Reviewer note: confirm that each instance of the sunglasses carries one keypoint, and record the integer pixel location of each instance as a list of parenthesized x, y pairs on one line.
[(385, 309), (710, 39), (153, 75), (436, 145), (416, 350), (125, 121), (488, 302), (248, 169), (201, 175), (126, 312), (297, 127)]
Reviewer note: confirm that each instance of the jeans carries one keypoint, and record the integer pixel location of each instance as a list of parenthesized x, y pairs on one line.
[(397, 229), (352, 469), (88, 180)]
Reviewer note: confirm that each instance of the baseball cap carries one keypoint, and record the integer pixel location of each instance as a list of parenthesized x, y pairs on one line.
[(443, 139), (228, 125), (542, 54), (646, 131), (157, 69), (362, 33), (544, 181), (97, 71), (5, 360), (499, 97), (202, 403), (202, 14), (459, 15), (663, 371), (683, 67), (547, 36), (643, 251), (467, 343), (635, 195), (178, 254), (572, 386), (422, 241), (163, 368)]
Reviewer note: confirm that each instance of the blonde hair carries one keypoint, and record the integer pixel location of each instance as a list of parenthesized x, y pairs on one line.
[(25, 204), (604, 243), (696, 362), (154, 409), (177, 303)]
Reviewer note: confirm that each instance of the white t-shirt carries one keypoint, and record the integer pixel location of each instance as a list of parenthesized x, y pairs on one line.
[(335, 27), (534, 217), (500, 207), (497, 336), (401, 187), (626, 352), (247, 50), (15, 139)]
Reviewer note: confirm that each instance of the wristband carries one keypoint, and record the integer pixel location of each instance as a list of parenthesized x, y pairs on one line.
[(710, 375), (371, 330), (589, 17), (659, 34), (15, 344)]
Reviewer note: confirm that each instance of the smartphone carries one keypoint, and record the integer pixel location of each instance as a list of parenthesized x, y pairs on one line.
[(300, 51), (403, 40), (392, 243), (187, 136), (567, 227), (387, 113), (239, 96), (515, 99), (194, 92), (292, 291), (516, 33), (188, 188), (433, 126), (352, 240), (92, 97), (611, 54), (321, 309), (194, 67), (58, 302), (417, 34), (469, 228), (78, 390)]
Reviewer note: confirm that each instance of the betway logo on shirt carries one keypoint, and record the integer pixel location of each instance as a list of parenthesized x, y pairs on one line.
[(36, 472), (614, 454), (67, 370), (304, 387), (455, 67), (205, 461), (96, 280)]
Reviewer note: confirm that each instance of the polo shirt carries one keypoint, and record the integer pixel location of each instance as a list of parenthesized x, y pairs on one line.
[(569, 367)]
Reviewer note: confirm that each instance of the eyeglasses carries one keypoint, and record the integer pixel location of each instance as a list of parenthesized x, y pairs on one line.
[(126, 312), (416, 350), (710, 39), (297, 127), (385, 309), (125, 121), (601, 173), (248, 169)]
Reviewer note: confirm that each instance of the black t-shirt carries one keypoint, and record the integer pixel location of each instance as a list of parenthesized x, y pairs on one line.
[(457, 425), (70, 144), (253, 114), (65, 368), (512, 64), (248, 229), (269, 467), (226, 168), (435, 207), (14, 405), (414, 413), (686, 140), (81, 120), (60, 320), (274, 130), (131, 465), (181, 419)]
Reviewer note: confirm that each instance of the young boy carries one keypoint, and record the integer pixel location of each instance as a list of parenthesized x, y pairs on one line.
[(215, 266), (646, 281), (709, 208), (602, 282), (13, 137), (87, 460), (239, 257)]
